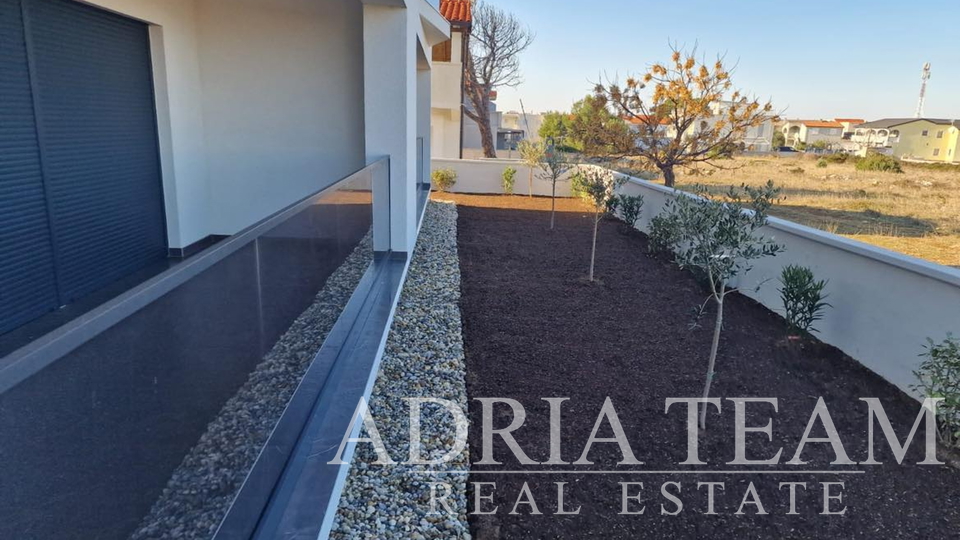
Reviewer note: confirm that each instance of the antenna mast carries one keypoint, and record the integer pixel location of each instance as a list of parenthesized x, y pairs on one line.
[(924, 77)]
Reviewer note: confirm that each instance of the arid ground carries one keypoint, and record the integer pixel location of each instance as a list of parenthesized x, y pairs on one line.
[(916, 212)]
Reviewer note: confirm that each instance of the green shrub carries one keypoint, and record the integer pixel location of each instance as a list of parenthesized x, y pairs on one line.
[(664, 229), (444, 179), (836, 158), (879, 162), (578, 185), (630, 207), (802, 297), (939, 377), (822, 163), (508, 180)]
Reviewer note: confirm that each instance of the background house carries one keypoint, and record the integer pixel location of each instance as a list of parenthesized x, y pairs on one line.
[(809, 132), (922, 139), (446, 105)]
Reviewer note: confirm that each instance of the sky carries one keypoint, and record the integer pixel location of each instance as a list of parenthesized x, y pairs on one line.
[(814, 59)]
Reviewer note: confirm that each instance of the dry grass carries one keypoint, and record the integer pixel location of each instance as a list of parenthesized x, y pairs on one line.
[(916, 213)]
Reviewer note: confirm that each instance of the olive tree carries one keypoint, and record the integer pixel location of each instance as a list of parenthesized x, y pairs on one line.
[(553, 164), (531, 154), (600, 189), (717, 239)]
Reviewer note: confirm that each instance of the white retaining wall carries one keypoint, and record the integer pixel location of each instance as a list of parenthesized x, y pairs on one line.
[(486, 176), (885, 305)]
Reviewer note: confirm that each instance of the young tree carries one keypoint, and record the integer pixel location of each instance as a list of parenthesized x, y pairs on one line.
[(554, 165), (717, 239), (600, 188), (531, 154), (690, 110), (496, 40)]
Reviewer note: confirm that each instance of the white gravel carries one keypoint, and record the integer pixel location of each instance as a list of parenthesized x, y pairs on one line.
[(423, 358)]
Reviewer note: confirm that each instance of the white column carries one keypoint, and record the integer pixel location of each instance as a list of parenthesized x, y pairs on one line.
[(423, 116), (390, 113)]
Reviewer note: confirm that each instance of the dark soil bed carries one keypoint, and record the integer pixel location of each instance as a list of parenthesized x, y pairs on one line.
[(533, 329)]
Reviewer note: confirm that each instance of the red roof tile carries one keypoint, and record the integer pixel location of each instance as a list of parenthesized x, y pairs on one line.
[(850, 120), (456, 10), (820, 124), (645, 119)]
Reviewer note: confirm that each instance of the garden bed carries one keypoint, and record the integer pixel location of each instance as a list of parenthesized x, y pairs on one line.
[(535, 328)]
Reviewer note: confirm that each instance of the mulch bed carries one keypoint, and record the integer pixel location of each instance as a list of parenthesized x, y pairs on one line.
[(534, 328)]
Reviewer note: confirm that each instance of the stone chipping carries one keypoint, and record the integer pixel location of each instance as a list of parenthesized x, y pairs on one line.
[(423, 358)]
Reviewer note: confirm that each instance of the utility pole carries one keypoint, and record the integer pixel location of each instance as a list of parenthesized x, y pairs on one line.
[(924, 77)]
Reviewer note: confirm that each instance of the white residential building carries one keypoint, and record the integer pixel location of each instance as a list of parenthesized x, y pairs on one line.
[(446, 106)]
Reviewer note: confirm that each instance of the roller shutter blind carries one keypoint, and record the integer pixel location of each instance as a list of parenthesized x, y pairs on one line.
[(81, 202), (27, 280), (94, 84)]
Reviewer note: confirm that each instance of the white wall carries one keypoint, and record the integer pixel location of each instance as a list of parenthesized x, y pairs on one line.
[(257, 104), (485, 176), (281, 107), (885, 304)]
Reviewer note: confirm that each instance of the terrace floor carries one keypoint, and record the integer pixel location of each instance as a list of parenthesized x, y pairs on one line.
[(535, 328)]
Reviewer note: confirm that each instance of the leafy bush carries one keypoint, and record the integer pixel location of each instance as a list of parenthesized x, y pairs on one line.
[(663, 232), (508, 180), (839, 157), (822, 163), (630, 207), (578, 185), (444, 179), (802, 297), (939, 377), (879, 162)]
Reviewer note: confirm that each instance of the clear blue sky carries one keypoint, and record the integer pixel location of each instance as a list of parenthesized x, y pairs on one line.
[(816, 59)]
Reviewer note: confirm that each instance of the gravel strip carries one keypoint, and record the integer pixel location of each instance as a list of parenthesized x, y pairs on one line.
[(202, 488), (423, 358)]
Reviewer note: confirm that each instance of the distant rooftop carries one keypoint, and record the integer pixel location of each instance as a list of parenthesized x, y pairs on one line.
[(456, 11), (820, 124), (891, 122), (850, 120)]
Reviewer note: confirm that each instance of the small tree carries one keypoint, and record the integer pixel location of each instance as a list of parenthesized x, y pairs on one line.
[(600, 188), (939, 377), (717, 239), (553, 165), (508, 179), (692, 110), (779, 139), (531, 154)]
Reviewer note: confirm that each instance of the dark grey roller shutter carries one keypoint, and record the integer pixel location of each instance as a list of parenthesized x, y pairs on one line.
[(97, 125), (27, 279)]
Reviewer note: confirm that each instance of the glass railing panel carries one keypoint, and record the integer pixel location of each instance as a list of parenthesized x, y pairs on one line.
[(153, 424)]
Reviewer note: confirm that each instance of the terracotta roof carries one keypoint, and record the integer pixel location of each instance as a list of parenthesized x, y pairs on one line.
[(456, 11), (821, 124), (644, 119), (850, 120)]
